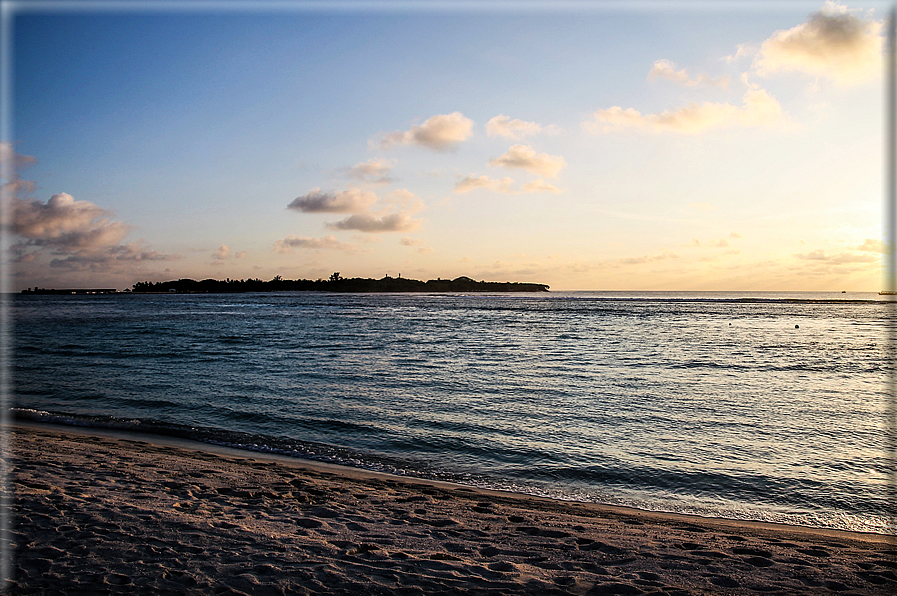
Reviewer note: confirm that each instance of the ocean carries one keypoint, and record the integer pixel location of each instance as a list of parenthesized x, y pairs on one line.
[(753, 406)]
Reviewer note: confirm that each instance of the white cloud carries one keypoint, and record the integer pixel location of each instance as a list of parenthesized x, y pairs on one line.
[(347, 201), (503, 126), (832, 43), (394, 222), (328, 243), (759, 109), (524, 157), (665, 69), (441, 132)]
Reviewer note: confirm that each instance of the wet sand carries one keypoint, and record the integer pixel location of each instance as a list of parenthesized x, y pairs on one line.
[(103, 512)]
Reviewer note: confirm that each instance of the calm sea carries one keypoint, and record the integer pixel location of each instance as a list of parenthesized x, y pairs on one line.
[(749, 406)]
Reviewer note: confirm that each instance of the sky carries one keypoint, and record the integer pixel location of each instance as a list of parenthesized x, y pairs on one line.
[(589, 146)]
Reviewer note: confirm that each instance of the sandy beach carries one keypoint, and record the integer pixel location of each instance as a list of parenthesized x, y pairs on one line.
[(101, 512)]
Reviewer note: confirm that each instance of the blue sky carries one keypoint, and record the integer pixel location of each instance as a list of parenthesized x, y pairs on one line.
[(702, 146)]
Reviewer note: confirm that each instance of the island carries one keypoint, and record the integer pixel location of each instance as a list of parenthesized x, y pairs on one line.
[(335, 283)]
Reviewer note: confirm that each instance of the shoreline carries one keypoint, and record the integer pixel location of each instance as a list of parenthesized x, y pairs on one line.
[(111, 512), (362, 473)]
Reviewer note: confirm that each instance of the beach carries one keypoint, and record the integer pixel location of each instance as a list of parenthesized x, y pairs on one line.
[(105, 512)]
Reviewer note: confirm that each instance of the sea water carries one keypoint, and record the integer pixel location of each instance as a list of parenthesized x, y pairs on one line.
[(748, 406)]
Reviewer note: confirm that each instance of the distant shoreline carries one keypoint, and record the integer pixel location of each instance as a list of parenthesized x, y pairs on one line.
[(335, 283)]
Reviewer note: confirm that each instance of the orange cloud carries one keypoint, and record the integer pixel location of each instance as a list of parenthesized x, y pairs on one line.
[(525, 157), (759, 108), (441, 133)]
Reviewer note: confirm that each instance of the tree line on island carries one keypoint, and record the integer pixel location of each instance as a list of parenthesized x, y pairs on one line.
[(335, 283)]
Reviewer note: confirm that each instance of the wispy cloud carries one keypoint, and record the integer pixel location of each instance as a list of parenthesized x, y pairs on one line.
[(525, 157), (470, 183), (832, 43), (502, 186), (665, 69), (347, 201), (327, 243), (373, 170), (503, 126), (440, 133), (539, 185), (759, 108), (420, 245), (836, 259), (647, 259), (103, 260), (135, 252), (17, 161), (224, 252), (872, 245)]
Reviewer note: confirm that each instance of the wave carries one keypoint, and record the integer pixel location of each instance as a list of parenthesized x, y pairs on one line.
[(780, 500)]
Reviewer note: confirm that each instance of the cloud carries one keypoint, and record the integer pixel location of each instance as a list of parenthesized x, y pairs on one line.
[(470, 183), (832, 43), (647, 259), (102, 261), (524, 157), (413, 242), (136, 253), (394, 222), (79, 234), (372, 170), (222, 253), (65, 223), (665, 69), (872, 245), (327, 243), (759, 109), (440, 133), (838, 259), (8, 155), (503, 126), (539, 185), (742, 50), (347, 201), (503, 186), (402, 199), (82, 262)]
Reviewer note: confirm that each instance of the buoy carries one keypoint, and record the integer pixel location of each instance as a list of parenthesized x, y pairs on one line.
[(797, 326)]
